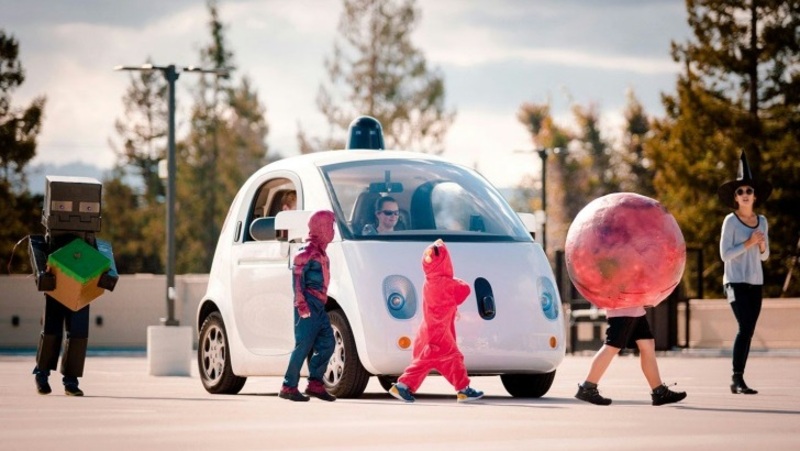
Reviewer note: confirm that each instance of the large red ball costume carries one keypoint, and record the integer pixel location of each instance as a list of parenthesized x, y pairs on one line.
[(435, 345)]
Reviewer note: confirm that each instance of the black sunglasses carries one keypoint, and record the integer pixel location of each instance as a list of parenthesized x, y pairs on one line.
[(390, 212), (741, 191)]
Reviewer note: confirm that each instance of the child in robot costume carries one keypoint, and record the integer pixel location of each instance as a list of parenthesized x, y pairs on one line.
[(71, 213), (312, 326), (435, 346)]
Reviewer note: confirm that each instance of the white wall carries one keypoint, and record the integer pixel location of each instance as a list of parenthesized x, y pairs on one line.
[(137, 301)]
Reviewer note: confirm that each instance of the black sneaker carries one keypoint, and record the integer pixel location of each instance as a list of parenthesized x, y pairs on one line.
[(663, 395), (318, 391), (72, 390), (591, 395), (42, 386), (292, 395)]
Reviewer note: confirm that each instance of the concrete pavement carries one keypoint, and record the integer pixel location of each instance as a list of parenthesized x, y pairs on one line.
[(125, 409)]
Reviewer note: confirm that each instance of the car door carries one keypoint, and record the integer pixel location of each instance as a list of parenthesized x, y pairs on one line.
[(261, 278)]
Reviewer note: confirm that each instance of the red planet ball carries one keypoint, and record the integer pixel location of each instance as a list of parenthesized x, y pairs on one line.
[(625, 250)]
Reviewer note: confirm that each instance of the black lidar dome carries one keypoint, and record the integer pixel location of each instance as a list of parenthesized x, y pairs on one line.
[(365, 133)]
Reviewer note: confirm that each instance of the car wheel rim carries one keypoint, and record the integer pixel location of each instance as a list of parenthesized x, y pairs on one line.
[(333, 374), (213, 354)]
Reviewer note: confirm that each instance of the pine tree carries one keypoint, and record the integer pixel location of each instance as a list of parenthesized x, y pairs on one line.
[(226, 144), (739, 90), (134, 216), (635, 169), (375, 70), (19, 128)]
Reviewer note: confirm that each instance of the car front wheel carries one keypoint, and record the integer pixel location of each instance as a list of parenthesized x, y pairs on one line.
[(345, 377), (214, 360)]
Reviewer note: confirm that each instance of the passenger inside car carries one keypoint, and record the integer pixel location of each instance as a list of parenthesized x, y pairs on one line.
[(387, 214)]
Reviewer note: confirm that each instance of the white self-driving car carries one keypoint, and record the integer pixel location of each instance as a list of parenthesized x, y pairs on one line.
[(511, 324)]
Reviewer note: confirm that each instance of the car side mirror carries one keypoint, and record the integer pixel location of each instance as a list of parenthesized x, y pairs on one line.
[(294, 223)]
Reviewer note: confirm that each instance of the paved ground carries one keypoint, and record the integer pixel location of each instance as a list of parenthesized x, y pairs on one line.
[(127, 409)]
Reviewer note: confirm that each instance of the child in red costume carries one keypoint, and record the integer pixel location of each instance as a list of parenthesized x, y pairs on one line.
[(435, 345), (312, 326)]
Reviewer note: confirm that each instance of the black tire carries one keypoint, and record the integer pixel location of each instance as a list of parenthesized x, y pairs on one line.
[(528, 385), (345, 377), (387, 381), (214, 360)]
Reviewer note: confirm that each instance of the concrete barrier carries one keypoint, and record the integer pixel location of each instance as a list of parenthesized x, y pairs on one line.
[(712, 324), (118, 319)]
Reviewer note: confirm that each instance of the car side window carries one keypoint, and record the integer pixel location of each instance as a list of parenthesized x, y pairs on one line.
[(270, 198)]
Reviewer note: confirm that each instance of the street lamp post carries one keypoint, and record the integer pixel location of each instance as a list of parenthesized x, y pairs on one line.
[(543, 155), (171, 74)]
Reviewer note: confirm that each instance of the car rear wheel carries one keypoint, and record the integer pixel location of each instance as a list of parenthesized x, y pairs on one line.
[(214, 360), (528, 385), (345, 377)]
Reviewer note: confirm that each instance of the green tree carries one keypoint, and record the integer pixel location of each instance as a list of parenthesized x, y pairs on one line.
[(739, 90), (562, 171), (133, 218), (19, 129), (226, 144), (637, 171), (376, 70)]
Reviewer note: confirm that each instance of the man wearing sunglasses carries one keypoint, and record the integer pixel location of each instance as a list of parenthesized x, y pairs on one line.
[(387, 213)]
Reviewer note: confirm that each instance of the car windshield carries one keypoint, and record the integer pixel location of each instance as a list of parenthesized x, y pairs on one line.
[(401, 199)]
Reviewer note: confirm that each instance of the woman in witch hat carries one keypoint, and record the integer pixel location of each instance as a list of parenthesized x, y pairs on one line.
[(743, 246)]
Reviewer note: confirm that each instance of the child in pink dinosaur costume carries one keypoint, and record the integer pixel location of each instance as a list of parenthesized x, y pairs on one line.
[(312, 326), (435, 345)]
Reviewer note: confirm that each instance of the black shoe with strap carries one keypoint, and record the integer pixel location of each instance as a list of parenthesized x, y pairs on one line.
[(739, 387), (663, 395), (591, 395)]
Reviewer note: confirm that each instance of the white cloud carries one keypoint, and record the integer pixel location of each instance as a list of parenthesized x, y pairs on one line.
[(281, 46)]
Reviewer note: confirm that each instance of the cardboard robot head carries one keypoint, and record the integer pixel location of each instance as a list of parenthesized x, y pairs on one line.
[(72, 204)]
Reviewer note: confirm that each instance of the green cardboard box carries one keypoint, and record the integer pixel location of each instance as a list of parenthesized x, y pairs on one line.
[(77, 267)]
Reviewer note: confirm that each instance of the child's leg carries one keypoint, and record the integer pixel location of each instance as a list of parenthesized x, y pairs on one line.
[(304, 334), (647, 358), (416, 372), (323, 349), (602, 359), (455, 372)]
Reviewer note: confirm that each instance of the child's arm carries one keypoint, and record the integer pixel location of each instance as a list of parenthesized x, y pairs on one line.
[(298, 276), (460, 291)]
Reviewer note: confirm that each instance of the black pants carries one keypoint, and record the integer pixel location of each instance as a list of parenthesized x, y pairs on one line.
[(58, 318), (745, 300)]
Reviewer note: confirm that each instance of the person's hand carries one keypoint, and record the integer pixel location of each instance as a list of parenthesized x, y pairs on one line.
[(305, 315), (757, 238)]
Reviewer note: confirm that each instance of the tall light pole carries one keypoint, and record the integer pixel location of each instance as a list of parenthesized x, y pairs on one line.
[(171, 74), (543, 155)]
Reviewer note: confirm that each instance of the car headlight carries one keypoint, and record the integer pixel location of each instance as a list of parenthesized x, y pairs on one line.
[(548, 298), (400, 297)]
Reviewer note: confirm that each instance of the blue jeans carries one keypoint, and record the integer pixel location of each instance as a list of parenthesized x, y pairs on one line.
[(312, 334), (745, 300)]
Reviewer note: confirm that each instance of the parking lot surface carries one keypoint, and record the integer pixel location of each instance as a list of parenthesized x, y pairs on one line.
[(125, 408)]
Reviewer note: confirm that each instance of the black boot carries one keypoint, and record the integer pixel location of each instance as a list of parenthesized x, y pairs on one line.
[(738, 385), (42, 385), (663, 395)]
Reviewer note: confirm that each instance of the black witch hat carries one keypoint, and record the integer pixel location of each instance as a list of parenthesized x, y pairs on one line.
[(744, 178)]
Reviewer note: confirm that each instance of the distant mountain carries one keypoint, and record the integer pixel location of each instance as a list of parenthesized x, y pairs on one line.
[(37, 173)]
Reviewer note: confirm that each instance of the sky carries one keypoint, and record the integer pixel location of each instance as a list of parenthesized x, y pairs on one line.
[(494, 55)]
